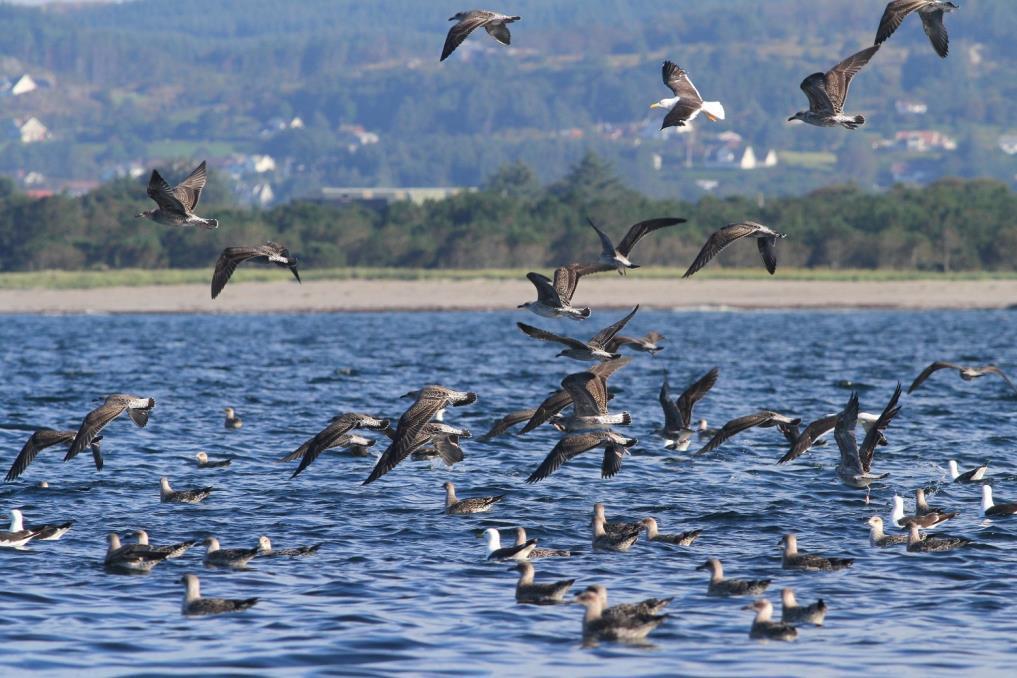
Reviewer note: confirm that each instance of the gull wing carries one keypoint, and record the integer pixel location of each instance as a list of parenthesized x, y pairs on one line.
[(734, 427), (162, 193), (138, 416), (809, 436), (612, 462), (462, 29), (552, 405), (188, 191), (507, 422), (992, 369), (893, 16), (672, 417), (844, 433), (875, 433), (717, 242), (544, 335), (606, 246), (814, 87), (568, 447), (928, 371), (567, 277), (692, 395), (94, 422), (547, 293), (588, 392), (333, 435), (768, 251), (499, 32), (838, 78), (410, 425), (932, 22), (637, 231), (227, 263), (678, 82), (37, 442), (604, 337)]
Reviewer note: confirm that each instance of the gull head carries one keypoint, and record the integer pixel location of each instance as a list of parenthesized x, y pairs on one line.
[(587, 597), (800, 115), (759, 605), (264, 543), (712, 564), (229, 411), (201, 456), (493, 539), (986, 497), (875, 521)]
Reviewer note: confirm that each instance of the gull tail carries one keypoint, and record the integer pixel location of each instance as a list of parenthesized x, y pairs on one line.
[(714, 110), (210, 223)]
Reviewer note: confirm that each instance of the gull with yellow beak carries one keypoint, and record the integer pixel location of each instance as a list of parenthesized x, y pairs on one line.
[(686, 103)]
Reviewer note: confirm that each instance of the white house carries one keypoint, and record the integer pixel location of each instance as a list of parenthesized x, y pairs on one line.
[(29, 131), (23, 85)]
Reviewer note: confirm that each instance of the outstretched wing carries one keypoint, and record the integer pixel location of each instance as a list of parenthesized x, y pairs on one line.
[(894, 14), (567, 277), (928, 371), (37, 442), (546, 292), (672, 417), (188, 191), (227, 263), (606, 246), (604, 337), (567, 448), (552, 405), (544, 335), (637, 231), (717, 242), (677, 80), (734, 427), (814, 87), (507, 422), (992, 369), (809, 436), (692, 395), (875, 433), (588, 392), (162, 193), (932, 22), (462, 29), (410, 424), (612, 462), (838, 78), (844, 433), (768, 251), (94, 422)]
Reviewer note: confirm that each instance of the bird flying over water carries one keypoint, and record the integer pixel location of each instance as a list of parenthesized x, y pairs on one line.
[(113, 406), (678, 413), (40, 440), (766, 240), (232, 257), (618, 257), (931, 14), (494, 23), (827, 92), (176, 205), (560, 399), (594, 349), (686, 103), (333, 435), (965, 373), (762, 419), (572, 445), (855, 467), (554, 299)]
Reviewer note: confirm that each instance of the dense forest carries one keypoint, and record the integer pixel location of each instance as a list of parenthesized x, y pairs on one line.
[(516, 221)]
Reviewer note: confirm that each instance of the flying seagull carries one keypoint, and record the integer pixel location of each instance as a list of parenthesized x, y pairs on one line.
[(855, 467), (430, 400), (594, 349), (588, 392), (762, 419), (686, 103), (649, 343), (931, 13), (678, 413), (965, 373), (494, 23), (766, 240), (618, 257), (232, 257), (827, 91), (40, 440), (112, 407), (554, 299), (561, 398), (570, 446), (333, 435), (818, 429), (176, 205)]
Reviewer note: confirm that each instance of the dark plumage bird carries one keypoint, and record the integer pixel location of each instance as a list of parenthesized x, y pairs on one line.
[(39, 441), (617, 257), (42, 532), (521, 540), (573, 445), (719, 586), (505, 423), (917, 543), (681, 538), (593, 350), (686, 103), (965, 373), (195, 605), (931, 13), (495, 23), (562, 398), (597, 626), (762, 419), (265, 549), (457, 507), (232, 421), (855, 466), (793, 560), (648, 343), (231, 257), (924, 520), (429, 401), (113, 406), (764, 628), (827, 92), (176, 205), (880, 539), (648, 607), (130, 557), (554, 298), (204, 461), (678, 413), (216, 556), (495, 551), (193, 496), (333, 435), (793, 613), (527, 592), (990, 509), (171, 550), (613, 541), (766, 241), (615, 528), (970, 476), (590, 398)]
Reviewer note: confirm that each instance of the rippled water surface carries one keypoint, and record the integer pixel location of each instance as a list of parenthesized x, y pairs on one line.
[(398, 586)]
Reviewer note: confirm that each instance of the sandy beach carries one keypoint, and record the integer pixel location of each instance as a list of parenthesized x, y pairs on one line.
[(485, 294)]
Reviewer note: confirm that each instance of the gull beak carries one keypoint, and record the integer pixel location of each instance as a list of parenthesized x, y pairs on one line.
[(655, 105), (711, 118), (792, 119)]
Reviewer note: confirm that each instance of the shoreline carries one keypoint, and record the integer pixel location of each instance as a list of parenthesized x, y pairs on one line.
[(361, 295)]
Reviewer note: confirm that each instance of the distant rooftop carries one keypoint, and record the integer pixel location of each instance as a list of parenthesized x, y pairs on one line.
[(384, 195)]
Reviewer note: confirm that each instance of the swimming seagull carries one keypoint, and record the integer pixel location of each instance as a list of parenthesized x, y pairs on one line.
[(793, 613), (130, 557), (827, 91), (881, 540), (597, 626), (336, 433), (810, 562), (615, 447), (232, 420), (931, 14), (681, 539), (554, 299), (922, 506), (495, 23), (594, 349), (649, 343), (40, 440), (560, 399), (855, 466), (618, 257), (603, 541), (46, 532), (205, 462), (615, 528), (766, 241), (970, 476), (195, 605), (215, 556), (764, 628), (265, 549), (926, 520), (176, 205), (539, 594), (966, 373), (650, 606), (686, 103), (496, 552), (719, 586), (455, 506), (193, 496), (993, 510), (172, 551), (677, 429), (231, 257), (539, 553), (113, 406), (429, 401), (917, 543), (762, 419), (17, 536)]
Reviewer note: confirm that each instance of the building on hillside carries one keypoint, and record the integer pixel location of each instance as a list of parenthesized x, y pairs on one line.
[(358, 134), (261, 194), (28, 131), (380, 197), (21, 85), (1008, 144), (911, 107), (923, 141)]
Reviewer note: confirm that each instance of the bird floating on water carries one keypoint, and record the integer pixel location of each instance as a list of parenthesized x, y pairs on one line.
[(539, 553), (764, 628), (495, 23), (265, 549), (686, 104), (231, 257), (17, 536), (216, 556), (617, 257), (613, 541), (597, 626), (650, 606), (615, 528), (176, 205), (931, 13), (681, 538), (43, 532), (970, 476), (793, 613), (677, 430), (925, 520), (918, 543), (827, 92), (232, 420), (456, 506), (880, 539), (527, 592), (965, 373), (113, 406), (495, 551), (992, 510), (811, 562), (192, 496), (204, 461), (40, 440), (130, 557), (719, 586), (195, 605), (593, 350), (766, 241), (172, 551)]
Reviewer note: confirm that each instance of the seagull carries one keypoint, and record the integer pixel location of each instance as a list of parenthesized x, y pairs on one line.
[(265, 549), (429, 401), (494, 23), (677, 429), (931, 13), (827, 91), (572, 445), (589, 396), (650, 606), (592, 350), (596, 626), (764, 628), (130, 557), (649, 343), (554, 299), (793, 613), (496, 552), (176, 205), (762, 419), (40, 440), (719, 586), (438, 440), (50, 532), (818, 429), (17, 536), (686, 103), (971, 476), (993, 510), (681, 539), (195, 605), (917, 543), (220, 557), (766, 240), (205, 462), (539, 594), (232, 420), (539, 553), (793, 560), (604, 541), (333, 435), (113, 406), (618, 257), (457, 507), (966, 373), (881, 540), (855, 466), (560, 399), (172, 551), (170, 496), (616, 528), (505, 423), (926, 520), (922, 506), (231, 257)]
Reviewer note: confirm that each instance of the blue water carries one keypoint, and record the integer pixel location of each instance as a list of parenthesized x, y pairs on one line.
[(398, 586)]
